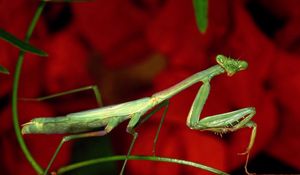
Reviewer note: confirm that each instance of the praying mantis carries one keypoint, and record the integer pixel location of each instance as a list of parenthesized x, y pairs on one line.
[(83, 124)]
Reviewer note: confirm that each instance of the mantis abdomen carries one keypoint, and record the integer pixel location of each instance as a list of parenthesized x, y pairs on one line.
[(84, 121), (64, 124)]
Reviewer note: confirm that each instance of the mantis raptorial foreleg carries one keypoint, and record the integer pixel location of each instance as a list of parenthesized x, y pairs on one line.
[(221, 123)]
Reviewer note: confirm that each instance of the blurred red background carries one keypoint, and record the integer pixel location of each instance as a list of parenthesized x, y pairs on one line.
[(133, 48)]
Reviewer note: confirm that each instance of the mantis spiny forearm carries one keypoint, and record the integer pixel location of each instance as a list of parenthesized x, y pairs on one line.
[(111, 116)]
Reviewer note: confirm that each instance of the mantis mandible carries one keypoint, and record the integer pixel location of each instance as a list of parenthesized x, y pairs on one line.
[(83, 124)]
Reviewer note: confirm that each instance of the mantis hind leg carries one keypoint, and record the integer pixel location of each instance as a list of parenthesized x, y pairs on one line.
[(69, 138), (97, 94), (94, 88), (111, 125)]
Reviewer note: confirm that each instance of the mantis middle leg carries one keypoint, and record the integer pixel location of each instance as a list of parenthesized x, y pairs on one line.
[(221, 123), (161, 105), (135, 118), (136, 121)]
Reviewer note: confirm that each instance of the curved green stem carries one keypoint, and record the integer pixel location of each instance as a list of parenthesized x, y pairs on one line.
[(71, 167), (21, 141)]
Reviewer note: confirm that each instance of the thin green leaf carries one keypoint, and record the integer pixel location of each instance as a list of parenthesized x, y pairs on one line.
[(201, 8), (20, 44), (3, 70)]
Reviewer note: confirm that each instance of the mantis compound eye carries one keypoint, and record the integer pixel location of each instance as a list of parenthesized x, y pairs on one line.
[(221, 59), (243, 65)]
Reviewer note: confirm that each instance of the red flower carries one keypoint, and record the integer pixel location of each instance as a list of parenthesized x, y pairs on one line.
[(286, 87), (66, 66), (115, 29)]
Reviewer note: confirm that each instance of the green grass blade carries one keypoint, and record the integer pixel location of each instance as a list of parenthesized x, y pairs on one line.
[(201, 9), (20, 44), (3, 70)]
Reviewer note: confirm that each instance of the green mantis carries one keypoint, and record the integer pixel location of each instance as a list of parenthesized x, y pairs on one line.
[(83, 124)]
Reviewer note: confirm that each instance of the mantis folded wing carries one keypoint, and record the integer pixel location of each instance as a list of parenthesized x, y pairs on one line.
[(83, 124)]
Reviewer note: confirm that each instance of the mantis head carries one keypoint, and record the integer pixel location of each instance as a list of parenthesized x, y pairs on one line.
[(231, 66)]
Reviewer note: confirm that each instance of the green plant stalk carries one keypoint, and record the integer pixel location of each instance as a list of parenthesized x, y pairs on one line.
[(71, 167), (15, 87)]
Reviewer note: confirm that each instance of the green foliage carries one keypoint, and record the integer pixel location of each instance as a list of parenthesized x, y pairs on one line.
[(20, 44), (201, 9), (3, 70)]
